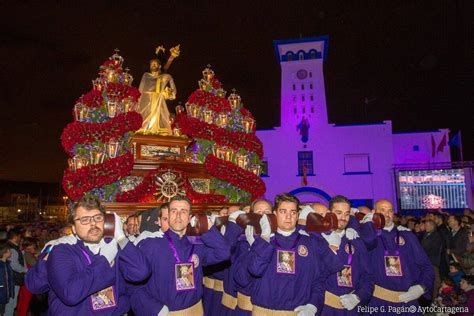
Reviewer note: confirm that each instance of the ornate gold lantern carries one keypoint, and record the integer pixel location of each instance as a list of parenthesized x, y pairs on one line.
[(111, 75), (79, 162), (193, 110), (221, 93), (234, 100), (222, 120), (256, 169), (116, 58), (228, 153), (208, 73), (242, 160), (128, 104), (96, 155), (179, 109), (98, 84), (112, 148), (127, 77), (70, 163), (112, 108), (208, 116), (248, 124), (80, 111), (177, 131)]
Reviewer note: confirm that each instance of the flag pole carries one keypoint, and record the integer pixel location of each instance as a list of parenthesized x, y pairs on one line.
[(460, 146)]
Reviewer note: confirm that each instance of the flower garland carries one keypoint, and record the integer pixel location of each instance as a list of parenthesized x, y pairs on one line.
[(80, 132), (236, 140), (91, 99), (236, 176), (76, 183), (119, 91), (209, 100), (144, 191)]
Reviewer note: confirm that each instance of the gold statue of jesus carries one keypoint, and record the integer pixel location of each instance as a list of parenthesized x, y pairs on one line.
[(155, 88)]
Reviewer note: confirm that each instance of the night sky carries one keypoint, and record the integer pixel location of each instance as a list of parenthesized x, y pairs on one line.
[(413, 60)]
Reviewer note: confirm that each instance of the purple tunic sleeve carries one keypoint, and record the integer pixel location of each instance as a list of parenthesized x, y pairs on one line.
[(232, 234), (216, 249), (143, 303), (318, 289), (260, 257), (365, 285), (240, 266), (72, 285), (133, 264), (37, 277), (368, 235)]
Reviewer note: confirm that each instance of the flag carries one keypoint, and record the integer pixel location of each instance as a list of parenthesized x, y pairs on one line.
[(442, 144), (305, 175), (456, 140), (433, 146)]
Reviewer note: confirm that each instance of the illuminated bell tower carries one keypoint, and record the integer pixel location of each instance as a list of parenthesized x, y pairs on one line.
[(302, 81)]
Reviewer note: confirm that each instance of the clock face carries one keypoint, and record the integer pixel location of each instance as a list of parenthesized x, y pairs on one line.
[(302, 74)]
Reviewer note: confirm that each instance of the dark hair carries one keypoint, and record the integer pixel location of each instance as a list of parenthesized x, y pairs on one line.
[(12, 233), (252, 206), (286, 197), (160, 209), (456, 265), (182, 198), (457, 219), (87, 202), (448, 281), (131, 216), (339, 199), (4, 247), (29, 241), (469, 279)]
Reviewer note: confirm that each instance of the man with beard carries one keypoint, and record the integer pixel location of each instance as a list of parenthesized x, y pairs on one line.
[(298, 290), (413, 276), (80, 274), (167, 254), (353, 285)]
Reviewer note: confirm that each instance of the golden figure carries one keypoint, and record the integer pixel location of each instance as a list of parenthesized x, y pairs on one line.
[(155, 88)]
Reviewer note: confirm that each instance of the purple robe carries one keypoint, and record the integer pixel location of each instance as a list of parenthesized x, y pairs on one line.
[(211, 298), (366, 232), (278, 291), (362, 281), (36, 279), (160, 289), (415, 265), (73, 279)]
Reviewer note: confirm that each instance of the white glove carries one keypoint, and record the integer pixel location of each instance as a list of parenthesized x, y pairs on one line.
[(164, 311), (266, 228), (69, 239), (349, 301), (223, 229), (305, 212), (306, 310), (249, 234), (333, 239), (351, 234), (413, 293), (367, 218), (193, 221), (233, 216), (146, 234), (212, 219), (118, 233), (108, 250), (354, 210)]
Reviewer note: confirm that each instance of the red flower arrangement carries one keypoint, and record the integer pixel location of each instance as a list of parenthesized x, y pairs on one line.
[(235, 175), (216, 84), (76, 183), (120, 91), (83, 133), (144, 191), (236, 140), (91, 99), (213, 102)]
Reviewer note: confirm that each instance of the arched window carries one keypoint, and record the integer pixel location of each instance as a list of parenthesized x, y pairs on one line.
[(301, 56), (302, 98), (311, 98), (294, 87), (311, 86), (313, 54), (290, 56), (302, 86)]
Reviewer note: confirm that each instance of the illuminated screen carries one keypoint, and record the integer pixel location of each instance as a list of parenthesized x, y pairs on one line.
[(432, 189)]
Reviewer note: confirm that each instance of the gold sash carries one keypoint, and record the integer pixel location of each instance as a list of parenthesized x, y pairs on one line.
[(244, 302), (229, 301), (261, 311), (218, 285), (387, 295), (208, 282), (194, 310), (332, 300)]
